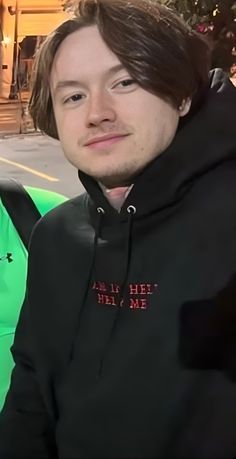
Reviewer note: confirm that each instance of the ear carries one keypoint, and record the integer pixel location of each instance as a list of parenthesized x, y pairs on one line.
[(185, 107)]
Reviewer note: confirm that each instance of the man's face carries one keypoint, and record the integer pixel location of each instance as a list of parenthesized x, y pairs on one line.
[(109, 127)]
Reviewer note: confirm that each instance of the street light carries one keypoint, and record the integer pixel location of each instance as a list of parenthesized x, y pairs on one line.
[(14, 83)]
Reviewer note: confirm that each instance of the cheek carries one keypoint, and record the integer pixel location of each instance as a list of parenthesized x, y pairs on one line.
[(67, 126), (59, 118), (157, 133)]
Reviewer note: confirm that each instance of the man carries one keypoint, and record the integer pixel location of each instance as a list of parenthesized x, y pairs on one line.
[(13, 267), (105, 362)]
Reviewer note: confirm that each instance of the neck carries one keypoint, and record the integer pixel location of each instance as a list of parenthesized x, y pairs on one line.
[(116, 195)]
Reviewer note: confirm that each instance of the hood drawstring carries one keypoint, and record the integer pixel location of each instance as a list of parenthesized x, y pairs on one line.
[(100, 212), (121, 296)]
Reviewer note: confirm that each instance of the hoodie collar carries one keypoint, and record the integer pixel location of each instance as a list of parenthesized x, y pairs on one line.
[(116, 196)]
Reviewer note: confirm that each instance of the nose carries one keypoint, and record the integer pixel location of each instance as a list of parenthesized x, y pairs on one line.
[(100, 109)]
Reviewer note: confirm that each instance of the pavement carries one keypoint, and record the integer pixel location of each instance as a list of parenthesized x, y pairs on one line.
[(38, 160), (32, 158)]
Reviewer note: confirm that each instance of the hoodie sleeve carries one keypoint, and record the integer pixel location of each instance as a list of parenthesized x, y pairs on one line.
[(25, 428)]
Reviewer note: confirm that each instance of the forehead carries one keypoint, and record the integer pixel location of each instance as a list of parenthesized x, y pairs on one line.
[(81, 53)]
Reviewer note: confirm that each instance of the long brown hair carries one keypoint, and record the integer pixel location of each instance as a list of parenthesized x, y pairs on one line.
[(154, 44)]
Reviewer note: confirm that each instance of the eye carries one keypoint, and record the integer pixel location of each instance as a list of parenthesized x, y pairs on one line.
[(74, 98), (125, 83)]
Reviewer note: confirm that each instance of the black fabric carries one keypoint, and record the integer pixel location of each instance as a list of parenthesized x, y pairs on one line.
[(20, 207), (125, 346)]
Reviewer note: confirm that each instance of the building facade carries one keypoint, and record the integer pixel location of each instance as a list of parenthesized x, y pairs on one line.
[(24, 24)]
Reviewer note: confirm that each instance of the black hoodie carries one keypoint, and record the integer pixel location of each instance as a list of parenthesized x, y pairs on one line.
[(119, 353)]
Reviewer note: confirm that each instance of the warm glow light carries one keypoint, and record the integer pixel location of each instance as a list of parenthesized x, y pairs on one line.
[(6, 40), (216, 11)]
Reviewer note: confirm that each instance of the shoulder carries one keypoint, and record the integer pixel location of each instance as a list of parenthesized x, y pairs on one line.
[(62, 219), (45, 200), (68, 208), (216, 189)]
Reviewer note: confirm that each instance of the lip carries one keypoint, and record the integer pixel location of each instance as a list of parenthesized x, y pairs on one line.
[(105, 140)]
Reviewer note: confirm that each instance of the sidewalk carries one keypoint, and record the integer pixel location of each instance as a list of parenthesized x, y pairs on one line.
[(10, 118), (14, 116)]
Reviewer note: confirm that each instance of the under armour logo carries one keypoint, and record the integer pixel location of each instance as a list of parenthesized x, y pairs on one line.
[(7, 257)]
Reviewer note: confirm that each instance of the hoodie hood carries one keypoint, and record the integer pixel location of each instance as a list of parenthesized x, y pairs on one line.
[(205, 138)]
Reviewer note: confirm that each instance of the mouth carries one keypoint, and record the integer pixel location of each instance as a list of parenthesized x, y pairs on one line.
[(105, 141)]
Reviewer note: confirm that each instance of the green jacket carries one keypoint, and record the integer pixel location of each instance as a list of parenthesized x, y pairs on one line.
[(12, 279)]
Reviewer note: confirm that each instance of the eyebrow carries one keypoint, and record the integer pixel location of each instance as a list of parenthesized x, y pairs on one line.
[(75, 83)]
